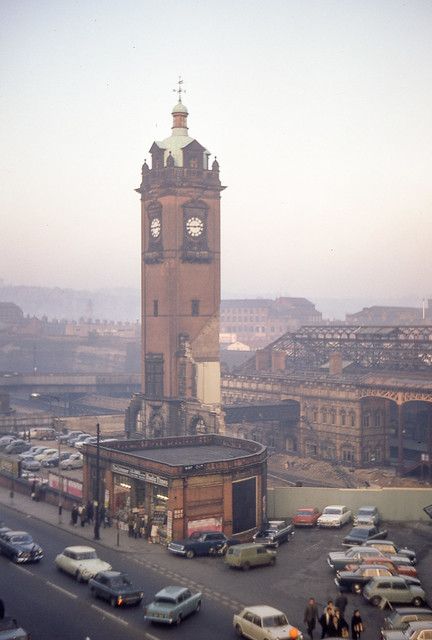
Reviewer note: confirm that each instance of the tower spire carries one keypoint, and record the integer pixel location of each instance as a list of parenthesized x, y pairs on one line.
[(180, 113), (179, 89)]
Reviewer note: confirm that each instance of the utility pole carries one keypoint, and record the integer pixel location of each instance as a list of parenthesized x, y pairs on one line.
[(97, 511)]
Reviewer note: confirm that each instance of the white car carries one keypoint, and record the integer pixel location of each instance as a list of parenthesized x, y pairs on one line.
[(262, 622), (75, 461), (335, 515), (81, 562), (45, 454)]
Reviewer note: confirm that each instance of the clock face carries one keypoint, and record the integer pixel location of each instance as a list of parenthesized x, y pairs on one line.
[(155, 227), (194, 227)]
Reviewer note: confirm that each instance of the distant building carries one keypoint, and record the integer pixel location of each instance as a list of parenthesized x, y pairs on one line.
[(256, 322), (378, 315), (10, 313)]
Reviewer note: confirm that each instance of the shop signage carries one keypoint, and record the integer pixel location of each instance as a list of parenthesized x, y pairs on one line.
[(145, 476), (206, 524)]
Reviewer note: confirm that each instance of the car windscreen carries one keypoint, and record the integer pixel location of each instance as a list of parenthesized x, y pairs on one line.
[(86, 555), (365, 512), (22, 539), (304, 512), (332, 512), (165, 600), (120, 582), (359, 532), (274, 621)]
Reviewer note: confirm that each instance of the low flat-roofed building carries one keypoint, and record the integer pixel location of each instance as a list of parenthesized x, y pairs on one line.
[(181, 484)]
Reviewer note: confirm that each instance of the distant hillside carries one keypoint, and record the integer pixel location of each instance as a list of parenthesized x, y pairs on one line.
[(104, 304)]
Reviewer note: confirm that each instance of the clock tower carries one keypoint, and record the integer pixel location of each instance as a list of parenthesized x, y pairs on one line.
[(180, 289)]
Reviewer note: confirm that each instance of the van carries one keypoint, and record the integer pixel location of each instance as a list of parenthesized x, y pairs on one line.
[(43, 433), (245, 556)]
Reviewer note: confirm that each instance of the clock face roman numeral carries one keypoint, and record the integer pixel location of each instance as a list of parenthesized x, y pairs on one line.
[(194, 227)]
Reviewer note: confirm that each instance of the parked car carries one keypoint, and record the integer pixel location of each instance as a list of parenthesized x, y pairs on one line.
[(115, 587), (335, 515), (356, 555), (5, 440), (389, 547), (81, 439), (63, 436), (400, 617), (43, 433), (29, 464), (172, 604), (367, 515), (403, 570), (245, 556), (17, 446), (74, 461), (416, 630), (54, 460), (274, 532), (87, 440), (201, 543), (20, 547), (72, 436), (306, 517), (10, 630), (393, 590), (361, 534), (32, 452), (354, 581), (48, 453), (81, 562), (262, 621)]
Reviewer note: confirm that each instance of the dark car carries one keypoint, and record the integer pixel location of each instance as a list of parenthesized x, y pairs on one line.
[(54, 461), (115, 587), (361, 534), (274, 532), (20, 547), (202, 543), (354, 581), (18, 446)]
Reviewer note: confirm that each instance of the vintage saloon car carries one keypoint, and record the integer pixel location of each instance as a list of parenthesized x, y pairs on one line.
[(367, 515), (396, 569), (361, 534), (262, 622), (201, 543), (172, 604), (274, 532), (115, 587), (81, 562), (354, 581), (400, 617), (335, 515), (389, 547), (416, 630), (306, 517), (20, 547), (355, 555)]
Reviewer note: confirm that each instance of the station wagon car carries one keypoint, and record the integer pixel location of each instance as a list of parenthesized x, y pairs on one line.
[(394, 589), (20, 547), (81, 562), (264, 623), (172, 604), (335, 515), (115, 587)]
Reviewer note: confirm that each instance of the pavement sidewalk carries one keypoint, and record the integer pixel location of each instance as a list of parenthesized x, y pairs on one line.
[(110, 537)]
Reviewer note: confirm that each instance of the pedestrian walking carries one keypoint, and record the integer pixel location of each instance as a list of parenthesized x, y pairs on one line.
[(310, 616), (341, 603), (82, 514), (102, 515), (74, 515), (356, 625), (90, 511), (325, 620), (131, 522)]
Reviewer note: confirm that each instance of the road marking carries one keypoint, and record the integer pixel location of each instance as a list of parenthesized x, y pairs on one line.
[(150, 637), (24, 570), (110, 615), (64, 591)]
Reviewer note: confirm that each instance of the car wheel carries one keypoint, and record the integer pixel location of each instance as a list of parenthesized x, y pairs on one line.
[(15, 559), (190, 553), (417, 602), (246, 566), (238, 631), (179, 619), (357, 588), (198, 607), (79, 577), (376, 601), (212, 551), (113, 602)]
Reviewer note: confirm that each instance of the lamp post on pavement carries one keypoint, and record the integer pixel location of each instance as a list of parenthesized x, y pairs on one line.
[(60, 475), (97, 511)]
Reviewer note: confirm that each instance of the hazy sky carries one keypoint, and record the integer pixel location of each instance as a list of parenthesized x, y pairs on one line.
[(320, 114)]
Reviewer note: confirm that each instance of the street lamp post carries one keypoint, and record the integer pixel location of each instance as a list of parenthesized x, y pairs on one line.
[(60, 477), (97, 511)]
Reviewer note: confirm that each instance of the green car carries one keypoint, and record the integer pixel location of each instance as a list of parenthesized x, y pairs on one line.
[(172, 604)]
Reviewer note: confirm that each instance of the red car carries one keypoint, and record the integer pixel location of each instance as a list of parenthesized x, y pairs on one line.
[(402, 570), (306, 517)]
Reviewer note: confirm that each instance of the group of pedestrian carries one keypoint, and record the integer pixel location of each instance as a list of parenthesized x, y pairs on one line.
[(332, 620), (137, 525), (84, 513)]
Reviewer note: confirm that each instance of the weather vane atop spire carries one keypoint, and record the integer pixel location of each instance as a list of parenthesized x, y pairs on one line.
[(179, 90)]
